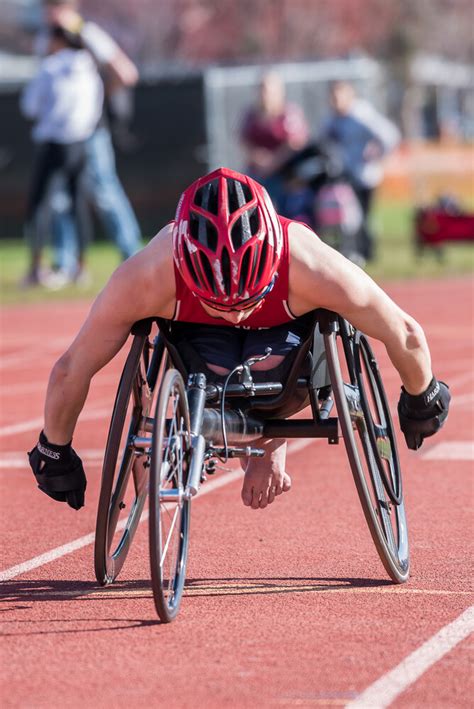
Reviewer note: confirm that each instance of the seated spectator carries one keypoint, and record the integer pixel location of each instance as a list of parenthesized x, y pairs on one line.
[(365, 137), (270, 131)]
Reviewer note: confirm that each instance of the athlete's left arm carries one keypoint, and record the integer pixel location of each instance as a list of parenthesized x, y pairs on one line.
[(322, 278)]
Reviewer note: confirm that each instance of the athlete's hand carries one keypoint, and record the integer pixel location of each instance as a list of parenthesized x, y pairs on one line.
[(59, 472), (423, 415)]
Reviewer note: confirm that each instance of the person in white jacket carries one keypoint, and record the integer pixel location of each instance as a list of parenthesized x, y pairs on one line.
[(101, 186), (64, 100)]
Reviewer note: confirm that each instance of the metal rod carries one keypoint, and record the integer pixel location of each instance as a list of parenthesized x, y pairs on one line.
[(172, 495), (196, 391), (302, 428), (197, 462), (240, 427), (141, 442)]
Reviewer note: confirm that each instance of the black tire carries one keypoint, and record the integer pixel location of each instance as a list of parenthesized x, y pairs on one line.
[(124, 485), (370, 442), (170, 508)]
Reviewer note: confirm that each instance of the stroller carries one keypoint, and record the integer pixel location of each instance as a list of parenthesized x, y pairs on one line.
[(316, 191), (445, 221)]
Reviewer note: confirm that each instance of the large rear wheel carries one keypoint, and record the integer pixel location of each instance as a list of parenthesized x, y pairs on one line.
[(370, 442), (124, 486)]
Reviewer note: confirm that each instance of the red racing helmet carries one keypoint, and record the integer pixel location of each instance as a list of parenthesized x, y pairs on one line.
[(227, 239)]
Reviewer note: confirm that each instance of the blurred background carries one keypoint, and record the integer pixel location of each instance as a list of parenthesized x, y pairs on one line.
[(200, 64)]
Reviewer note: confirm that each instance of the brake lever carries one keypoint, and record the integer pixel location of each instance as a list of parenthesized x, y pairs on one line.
[(245, 375), (260, 358)]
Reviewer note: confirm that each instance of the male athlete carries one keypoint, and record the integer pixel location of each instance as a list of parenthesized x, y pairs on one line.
[(243, 275)]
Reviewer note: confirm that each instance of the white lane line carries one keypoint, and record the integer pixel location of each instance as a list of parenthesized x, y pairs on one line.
[(386, 689), (29, 387), (450, 450), (300, 443), (65, 549), (18, 460), (48, 556), (52, 349), (460, 380), (37, 423), (13, 340)]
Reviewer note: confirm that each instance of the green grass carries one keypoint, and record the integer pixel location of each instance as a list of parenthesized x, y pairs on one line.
[(102, 260), (396, 259)]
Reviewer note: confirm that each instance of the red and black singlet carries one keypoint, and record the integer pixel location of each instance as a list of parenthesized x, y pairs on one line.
[(272, 312)]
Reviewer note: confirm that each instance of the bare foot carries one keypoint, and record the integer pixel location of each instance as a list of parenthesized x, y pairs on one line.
[(265, 478)]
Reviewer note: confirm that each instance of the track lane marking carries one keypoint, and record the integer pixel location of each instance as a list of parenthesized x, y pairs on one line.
[(250, 590), (28, 388), (450, 450), (34, 424), (52, 348), (385, 690), (84, 541), (19, 460)]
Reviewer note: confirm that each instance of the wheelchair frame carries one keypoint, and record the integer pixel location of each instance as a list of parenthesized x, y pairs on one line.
[(192, 427)]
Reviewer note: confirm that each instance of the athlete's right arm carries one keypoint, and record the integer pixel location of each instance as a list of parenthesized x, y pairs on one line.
[(131, 294), (141, 287)]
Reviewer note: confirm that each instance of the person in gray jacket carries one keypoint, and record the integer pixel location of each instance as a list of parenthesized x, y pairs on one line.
[(364, 137)]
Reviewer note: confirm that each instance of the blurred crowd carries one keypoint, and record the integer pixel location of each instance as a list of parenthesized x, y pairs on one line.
[(77, 96), (327, 181), (81, 95)]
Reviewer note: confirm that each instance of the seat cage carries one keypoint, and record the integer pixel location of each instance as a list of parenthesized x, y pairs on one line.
[(264, 408)]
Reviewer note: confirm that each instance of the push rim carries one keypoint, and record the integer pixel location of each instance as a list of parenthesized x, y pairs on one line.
[(386, 521), (125, 470)]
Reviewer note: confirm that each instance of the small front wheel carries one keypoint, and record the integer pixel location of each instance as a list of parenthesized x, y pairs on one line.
[(170, 508)]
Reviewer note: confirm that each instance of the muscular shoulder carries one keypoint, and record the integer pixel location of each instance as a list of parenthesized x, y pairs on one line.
[(144, 285), (320, 277)]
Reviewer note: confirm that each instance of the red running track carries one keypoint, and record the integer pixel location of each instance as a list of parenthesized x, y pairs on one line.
[(284, 607)]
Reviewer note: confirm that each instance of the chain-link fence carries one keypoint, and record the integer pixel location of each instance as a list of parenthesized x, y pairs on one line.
[(230, 91)]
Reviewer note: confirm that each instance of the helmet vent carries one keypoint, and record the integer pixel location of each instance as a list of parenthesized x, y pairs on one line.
[(206, 197), (254, 220), (203, 231), (208, 272), (225, 263), (238, 194), (263, 259), (242, 230), (244, 270)]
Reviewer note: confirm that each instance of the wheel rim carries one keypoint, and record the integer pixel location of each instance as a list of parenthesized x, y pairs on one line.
[(379, 421), (169, 506), (386, 521), (131, 483), (125, 473)]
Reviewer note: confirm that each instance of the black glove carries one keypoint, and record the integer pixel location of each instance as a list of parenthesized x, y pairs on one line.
[(421, 416), (58, 471)]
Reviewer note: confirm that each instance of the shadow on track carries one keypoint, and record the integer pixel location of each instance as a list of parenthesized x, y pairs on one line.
[(21, 595), (234, 586), (24, 591)]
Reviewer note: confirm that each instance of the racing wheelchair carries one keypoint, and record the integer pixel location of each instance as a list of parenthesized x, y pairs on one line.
[(170, 426)]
